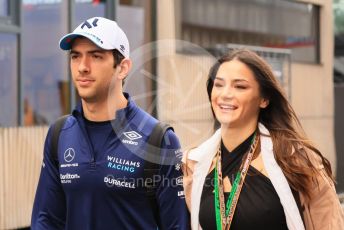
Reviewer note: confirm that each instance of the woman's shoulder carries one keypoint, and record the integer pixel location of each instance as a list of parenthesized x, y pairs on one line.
[(188, 164), (322, 210), (321, 181), (314, 158), (205, 149), (202, 153)]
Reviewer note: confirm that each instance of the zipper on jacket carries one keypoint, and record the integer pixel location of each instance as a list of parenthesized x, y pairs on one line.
[(93, 162)]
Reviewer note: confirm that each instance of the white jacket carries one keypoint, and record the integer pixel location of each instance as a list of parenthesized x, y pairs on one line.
[(203, 156)]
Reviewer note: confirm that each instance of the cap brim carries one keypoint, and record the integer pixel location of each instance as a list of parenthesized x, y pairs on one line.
[(67, 40)]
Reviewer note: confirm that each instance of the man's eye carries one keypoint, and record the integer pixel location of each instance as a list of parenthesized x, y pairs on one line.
[(97, 56), (73, 56)]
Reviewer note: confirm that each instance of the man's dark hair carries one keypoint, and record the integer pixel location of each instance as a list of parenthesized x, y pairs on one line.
[(117, 56)]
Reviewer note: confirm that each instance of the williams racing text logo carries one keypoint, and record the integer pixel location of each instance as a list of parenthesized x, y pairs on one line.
[(131, 135), (122, 164)]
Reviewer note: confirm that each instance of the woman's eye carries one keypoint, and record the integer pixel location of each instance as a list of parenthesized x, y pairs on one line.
[(218, 85), (241, 86)]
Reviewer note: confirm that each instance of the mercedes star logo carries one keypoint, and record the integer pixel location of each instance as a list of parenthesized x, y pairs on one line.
[(69, 155)]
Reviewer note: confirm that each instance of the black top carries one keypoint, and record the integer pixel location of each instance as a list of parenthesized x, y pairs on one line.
[(98, 133), (258, 207)]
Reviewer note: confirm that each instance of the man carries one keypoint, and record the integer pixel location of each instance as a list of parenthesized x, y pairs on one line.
[(94, 184)]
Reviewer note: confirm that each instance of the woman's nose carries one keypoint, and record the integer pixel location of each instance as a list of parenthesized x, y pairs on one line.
[(227, 92)]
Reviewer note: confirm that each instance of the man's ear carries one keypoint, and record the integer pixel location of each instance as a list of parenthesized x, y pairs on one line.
[(123, 69)]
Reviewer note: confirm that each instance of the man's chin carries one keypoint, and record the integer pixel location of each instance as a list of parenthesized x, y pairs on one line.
[(87, 98)]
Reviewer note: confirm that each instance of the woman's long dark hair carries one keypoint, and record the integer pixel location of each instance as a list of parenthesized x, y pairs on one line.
[(289, 141)]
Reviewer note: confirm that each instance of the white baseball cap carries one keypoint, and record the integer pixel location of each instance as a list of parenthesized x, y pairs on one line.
[(103, 32)]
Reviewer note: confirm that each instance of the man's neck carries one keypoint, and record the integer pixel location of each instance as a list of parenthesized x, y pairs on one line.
[(104, 110), (232, 137)]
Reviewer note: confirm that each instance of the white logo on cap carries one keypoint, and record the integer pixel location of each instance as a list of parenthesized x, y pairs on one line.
[(86, 23)]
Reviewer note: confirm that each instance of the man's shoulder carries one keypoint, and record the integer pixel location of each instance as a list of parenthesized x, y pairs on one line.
[(148, 123), (141, 113), (60, 125), (144, 121), (66, 121)]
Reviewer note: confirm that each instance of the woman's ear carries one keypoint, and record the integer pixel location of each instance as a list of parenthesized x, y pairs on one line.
[(264, 103), (123, 69)]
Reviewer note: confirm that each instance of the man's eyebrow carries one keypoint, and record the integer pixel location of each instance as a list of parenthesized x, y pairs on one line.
[(96, 51), (89, 52), (74, 52)]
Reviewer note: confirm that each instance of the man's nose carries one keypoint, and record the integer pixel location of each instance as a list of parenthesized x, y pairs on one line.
[(84, 65)]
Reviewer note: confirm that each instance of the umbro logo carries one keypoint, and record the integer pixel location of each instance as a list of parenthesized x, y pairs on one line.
[(131, 135), (69, 155)]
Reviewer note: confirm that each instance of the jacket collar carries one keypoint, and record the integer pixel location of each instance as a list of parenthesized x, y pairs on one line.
[(125, 113), (279, 182)]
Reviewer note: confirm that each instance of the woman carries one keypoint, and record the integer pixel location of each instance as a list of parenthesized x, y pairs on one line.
[(258, 171)]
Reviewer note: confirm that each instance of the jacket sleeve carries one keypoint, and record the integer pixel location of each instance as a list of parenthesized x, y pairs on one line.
[(170, 195), (323, 211), (49, 208)]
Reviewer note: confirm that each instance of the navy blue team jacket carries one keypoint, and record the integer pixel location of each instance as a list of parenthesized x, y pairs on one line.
[(105, 190)]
